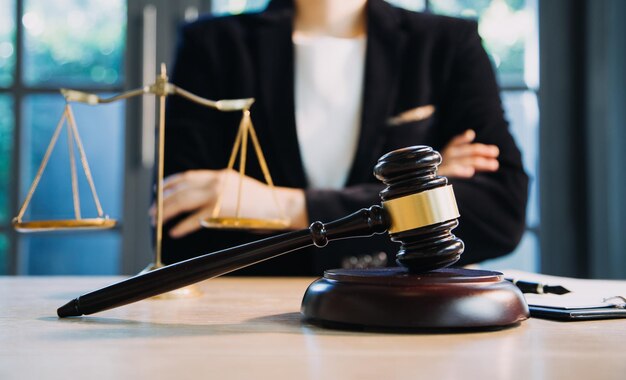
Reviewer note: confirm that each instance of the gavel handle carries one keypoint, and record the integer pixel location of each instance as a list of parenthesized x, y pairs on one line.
[(365, 222)]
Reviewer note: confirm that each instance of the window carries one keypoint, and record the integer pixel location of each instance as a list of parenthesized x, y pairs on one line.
[(7, 122), (7, 42), (6, 150), (45, 45), (220, 7), (510, 36)]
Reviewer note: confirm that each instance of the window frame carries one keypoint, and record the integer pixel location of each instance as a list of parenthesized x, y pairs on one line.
[(534, 227), (18, 91)]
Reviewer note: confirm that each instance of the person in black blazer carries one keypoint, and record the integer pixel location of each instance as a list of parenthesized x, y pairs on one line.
[(427, 81)]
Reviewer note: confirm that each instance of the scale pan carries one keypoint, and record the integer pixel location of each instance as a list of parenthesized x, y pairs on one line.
[(64, 225), (232, 223)]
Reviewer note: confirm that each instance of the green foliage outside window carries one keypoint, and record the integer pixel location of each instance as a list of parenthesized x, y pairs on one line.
[(74, 43), (4, 246), (506, 26), (7, 42), (6, 143)]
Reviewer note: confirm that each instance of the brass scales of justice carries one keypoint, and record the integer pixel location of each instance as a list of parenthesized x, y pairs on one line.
[(160, 88)]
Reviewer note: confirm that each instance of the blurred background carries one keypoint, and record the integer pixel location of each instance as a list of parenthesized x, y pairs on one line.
[(560, 66)]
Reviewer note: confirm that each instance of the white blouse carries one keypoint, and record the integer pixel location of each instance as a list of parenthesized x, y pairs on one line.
[(328, 100)]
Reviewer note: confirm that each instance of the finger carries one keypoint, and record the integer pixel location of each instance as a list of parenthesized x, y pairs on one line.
[(184, 201), (181, 202), (457, 171), (480, 164), (187, 226), (190, 178), (173, 180), (464, 138), (170, 191), (169, 186), (152, 215), (469, 150), (166, 194)]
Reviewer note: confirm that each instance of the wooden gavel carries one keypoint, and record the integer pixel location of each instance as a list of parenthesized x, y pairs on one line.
[(418, 210)]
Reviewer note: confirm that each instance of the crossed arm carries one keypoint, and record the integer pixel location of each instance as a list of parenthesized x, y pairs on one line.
[(195, 192)]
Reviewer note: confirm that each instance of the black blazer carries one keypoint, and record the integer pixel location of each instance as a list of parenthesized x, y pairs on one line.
[(412, 59)]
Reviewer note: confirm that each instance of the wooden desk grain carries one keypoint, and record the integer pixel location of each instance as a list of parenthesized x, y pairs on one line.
[(247, 328)]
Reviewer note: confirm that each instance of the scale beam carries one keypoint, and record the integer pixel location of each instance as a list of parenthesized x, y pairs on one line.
[(161, 88)]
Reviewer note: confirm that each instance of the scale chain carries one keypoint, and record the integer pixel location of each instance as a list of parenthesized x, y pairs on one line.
[(231, 164), (265, 169), (83, 161), (42, 167), (74, 179)]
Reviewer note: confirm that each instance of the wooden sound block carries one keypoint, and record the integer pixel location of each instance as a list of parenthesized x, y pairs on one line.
[(393, 298)]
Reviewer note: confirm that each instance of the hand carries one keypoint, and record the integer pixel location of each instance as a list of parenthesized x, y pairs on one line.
[(196, 192), (462, 159)]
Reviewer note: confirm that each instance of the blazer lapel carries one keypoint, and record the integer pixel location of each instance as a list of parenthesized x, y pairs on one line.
[(385, 43), (276, 94)]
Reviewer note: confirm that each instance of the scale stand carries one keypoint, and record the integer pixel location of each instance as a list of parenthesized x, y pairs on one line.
[(161, 88)]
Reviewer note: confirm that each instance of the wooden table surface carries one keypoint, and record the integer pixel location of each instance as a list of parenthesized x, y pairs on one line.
[(250, 328)]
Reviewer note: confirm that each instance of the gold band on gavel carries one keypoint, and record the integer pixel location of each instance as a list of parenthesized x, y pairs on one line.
[(422, 209)]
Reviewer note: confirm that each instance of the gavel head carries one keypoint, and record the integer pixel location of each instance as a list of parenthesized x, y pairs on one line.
[(421, 207)]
